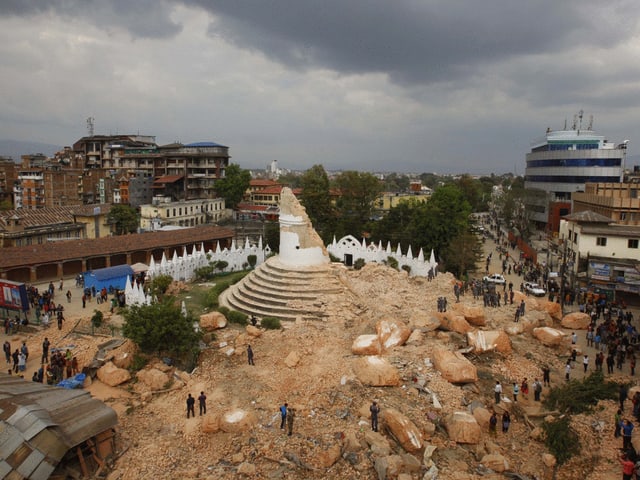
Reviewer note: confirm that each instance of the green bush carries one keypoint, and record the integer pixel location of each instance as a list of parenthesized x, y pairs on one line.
[(359, 263), (271, 323), (204, 273), (211, 299), (252, 260), (224, 310), (333, 258), (392, 262), (560, 439), (138, 363), (406, 268), (97, 319), (237, 317), (160, 284), (581, 396), (221, 265)]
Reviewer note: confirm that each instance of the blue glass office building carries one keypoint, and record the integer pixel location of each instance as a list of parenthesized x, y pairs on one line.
[(562, 162)]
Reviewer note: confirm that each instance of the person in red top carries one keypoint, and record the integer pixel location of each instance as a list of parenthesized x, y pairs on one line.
[(627, 468)]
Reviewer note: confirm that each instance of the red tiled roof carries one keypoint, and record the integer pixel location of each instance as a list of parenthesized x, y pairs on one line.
[(262, 182), (13, 257), (274, 190), (168, 179), (247, 207)]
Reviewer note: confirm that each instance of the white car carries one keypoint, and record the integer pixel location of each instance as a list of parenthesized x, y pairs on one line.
[(534, 289), (494, 278)]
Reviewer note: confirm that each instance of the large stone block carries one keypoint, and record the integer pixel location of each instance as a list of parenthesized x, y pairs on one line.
[(391, 333), (454, 322), (489, 340), (376, 372), (237, 420), (548, 336), (366, 345), (212, 321), (454, 367), (576, 321), (111, 375), (462, 427), (402, 429), (472, 314), (153, 378)]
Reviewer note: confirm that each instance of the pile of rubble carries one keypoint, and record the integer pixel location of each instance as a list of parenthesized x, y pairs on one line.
[(431, 373)]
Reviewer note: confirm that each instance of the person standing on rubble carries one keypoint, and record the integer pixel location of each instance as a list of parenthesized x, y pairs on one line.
[(250, 355), (283, 415), (191, 402), (202, 403), (375, 410)]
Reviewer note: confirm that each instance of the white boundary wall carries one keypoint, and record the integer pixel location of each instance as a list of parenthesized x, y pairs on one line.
[(376, 253), (183, 267)]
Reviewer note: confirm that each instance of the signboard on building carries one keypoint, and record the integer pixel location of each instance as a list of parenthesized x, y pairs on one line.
[(600, 271), (13, 295)]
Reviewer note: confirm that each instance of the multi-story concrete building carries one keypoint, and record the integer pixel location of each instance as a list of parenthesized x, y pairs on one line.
[(104, 151), (8, 177), (191, 213), (562, 162), (601, 254), (620, 202), (184, 172)]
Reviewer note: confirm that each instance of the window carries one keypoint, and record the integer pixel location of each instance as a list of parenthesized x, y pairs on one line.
[(632, 243), (601, 241), (575, 237), (623, 215)]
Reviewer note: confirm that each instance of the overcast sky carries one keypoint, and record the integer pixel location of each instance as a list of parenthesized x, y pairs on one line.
[(444, 86)]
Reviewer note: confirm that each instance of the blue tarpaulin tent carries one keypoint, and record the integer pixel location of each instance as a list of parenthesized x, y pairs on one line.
[(115, 277)]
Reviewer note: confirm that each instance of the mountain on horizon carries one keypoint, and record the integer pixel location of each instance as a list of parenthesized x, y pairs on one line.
[(15, 149)]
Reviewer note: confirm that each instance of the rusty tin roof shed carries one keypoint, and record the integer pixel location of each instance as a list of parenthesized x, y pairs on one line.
[(40, 423)]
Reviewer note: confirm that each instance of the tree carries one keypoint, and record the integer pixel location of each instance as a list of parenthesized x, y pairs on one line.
[(233, 185), (358, 191), (161, 327), (317, 201), (445, 216), (124, 218), (463, 254), (158, 286)]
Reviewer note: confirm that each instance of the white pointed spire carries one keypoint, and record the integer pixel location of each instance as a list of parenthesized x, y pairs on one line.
[(409, 253), (399, 251), (420, 256)]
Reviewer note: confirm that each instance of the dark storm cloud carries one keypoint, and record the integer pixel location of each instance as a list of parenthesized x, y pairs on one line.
[(416, 41), (141, 18)]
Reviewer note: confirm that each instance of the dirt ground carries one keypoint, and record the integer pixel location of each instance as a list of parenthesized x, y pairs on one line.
[(158, 441)]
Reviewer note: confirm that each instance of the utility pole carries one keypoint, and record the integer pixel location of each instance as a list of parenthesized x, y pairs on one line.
[(563, 267)]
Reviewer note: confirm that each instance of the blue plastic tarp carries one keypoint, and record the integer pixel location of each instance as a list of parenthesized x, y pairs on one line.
[(110, 277), (73, 382)]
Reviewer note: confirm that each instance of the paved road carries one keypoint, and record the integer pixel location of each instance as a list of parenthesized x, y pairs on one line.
[(495, 266)]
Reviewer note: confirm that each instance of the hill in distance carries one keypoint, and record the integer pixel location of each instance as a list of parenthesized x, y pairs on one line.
[(15, 149)]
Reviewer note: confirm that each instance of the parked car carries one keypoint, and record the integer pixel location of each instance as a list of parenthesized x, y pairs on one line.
[(494, 278), (534, 289)]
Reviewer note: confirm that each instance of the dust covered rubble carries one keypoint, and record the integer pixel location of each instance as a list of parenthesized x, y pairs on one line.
[(332, 435)]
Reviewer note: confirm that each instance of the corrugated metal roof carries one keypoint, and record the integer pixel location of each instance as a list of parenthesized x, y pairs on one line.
[(40, 423)]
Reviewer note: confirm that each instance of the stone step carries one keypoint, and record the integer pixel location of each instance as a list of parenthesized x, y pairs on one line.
[(264, 281), (278, 290), (242, 304)]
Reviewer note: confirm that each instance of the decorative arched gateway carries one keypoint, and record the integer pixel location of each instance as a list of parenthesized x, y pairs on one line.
[(68, 258)]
